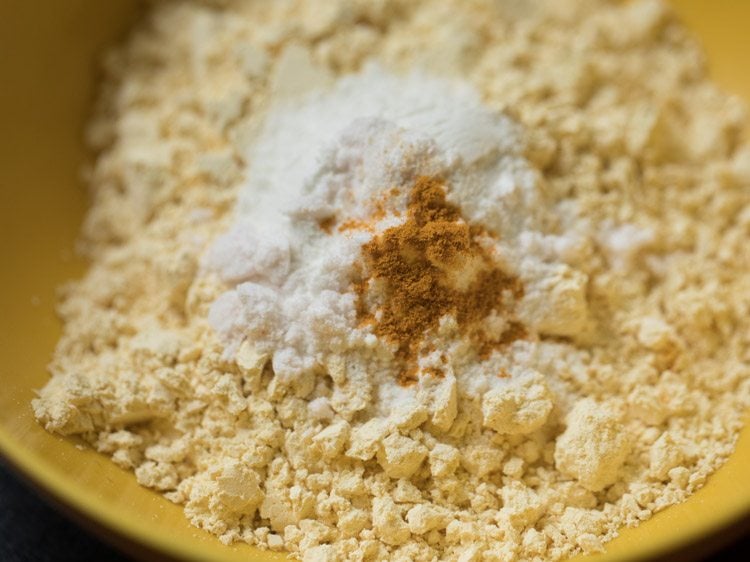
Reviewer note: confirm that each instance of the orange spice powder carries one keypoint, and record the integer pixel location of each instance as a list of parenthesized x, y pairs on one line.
[(327, 224), (417, 264)]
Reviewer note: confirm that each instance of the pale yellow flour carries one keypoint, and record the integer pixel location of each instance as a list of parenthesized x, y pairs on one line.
[(620, 118)]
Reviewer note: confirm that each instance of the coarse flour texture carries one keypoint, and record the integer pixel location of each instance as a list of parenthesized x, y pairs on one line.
[(411, 279)]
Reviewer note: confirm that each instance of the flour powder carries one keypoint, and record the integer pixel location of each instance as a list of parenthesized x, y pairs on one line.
[(411, 280)]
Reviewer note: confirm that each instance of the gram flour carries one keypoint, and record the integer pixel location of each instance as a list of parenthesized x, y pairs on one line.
[(279, 191)]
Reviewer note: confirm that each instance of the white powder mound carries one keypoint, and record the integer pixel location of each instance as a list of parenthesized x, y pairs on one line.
[(293, 298), (294, 134)]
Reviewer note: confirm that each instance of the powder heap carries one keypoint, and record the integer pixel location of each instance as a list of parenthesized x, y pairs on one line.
[(411, 279), (322, 290)]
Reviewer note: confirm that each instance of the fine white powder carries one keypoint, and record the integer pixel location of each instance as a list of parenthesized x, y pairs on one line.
[(287, 155)]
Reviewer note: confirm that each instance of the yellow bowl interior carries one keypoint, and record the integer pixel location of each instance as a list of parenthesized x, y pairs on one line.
[(47, 56)]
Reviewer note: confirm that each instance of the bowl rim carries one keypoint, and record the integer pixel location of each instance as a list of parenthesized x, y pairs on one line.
[(77, 502), (132, 535)]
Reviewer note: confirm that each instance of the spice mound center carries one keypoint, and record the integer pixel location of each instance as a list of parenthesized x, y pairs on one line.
[(430, 266)]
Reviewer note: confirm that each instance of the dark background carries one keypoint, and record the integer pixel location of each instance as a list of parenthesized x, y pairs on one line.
[(32, 531)]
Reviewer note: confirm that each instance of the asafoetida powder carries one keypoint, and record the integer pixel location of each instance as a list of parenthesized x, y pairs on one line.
[(411, 279)]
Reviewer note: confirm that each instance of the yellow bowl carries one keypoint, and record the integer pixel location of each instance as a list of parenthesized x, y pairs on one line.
[(48, 53)]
